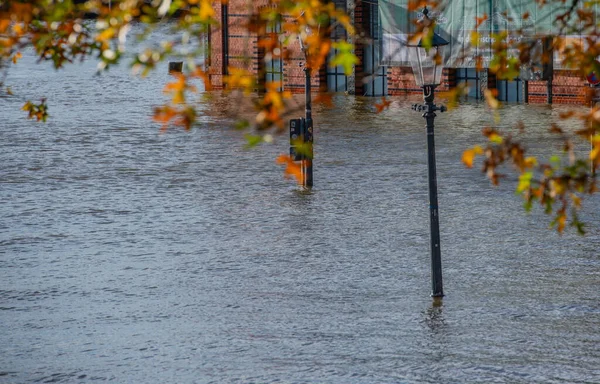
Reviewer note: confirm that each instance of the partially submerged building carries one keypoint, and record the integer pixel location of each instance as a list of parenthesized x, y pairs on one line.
[(383, 26)]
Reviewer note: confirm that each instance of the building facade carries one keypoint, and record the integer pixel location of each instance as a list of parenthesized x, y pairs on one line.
[(232, 45)]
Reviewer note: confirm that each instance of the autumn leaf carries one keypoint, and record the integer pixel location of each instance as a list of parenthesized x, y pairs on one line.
[(4, 24), (16, 57), (530, 162), (480, 20), (559, 221), (164, 115), (524, 182), (239, 79), (595, 152), (453, 95), (469, 155), (207, 12), (39, 112), (383, 106), (495, 138), (292, 169), (475, 38), (566, 115), (200, 74), (325, 99), (491, 100)]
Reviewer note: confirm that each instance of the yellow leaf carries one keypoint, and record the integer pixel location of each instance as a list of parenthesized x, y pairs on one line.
[(206, 10), (496, 138), (524, 182), (595, 152), (106, 34), (491, 99), (239, 79), (474, 38), (530, 162), (557, 188), (469, 155)]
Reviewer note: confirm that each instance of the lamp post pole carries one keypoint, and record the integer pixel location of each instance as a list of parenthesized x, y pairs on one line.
[(307, 166), (429, 109)]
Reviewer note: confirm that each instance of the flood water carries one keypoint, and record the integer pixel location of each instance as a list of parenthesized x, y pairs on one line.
[(135, 257)]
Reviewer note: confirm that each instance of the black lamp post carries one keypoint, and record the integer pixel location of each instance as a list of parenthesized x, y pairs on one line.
[(427, 59)]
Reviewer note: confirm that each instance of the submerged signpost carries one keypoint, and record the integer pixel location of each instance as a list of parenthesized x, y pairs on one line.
[(301, 141), (301, 130)]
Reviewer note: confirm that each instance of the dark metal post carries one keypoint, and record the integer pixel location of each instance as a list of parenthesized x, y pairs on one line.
[(548, 66), (225, 39), (307, 163), (429, 109)]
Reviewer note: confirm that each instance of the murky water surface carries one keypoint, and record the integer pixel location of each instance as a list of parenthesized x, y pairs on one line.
[(130, 256)]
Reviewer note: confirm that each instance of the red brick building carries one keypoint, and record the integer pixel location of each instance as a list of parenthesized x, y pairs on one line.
[(232, 45)]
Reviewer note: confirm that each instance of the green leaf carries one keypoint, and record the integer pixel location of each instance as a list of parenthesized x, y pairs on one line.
[(555, 160), (252, 140), (305, 149), (241, 125), (345, 57)]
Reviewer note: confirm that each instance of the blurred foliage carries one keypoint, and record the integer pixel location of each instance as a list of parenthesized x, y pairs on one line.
[(59, 33)]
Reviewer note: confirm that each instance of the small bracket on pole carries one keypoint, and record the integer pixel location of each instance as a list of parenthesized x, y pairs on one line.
[(428, 108)]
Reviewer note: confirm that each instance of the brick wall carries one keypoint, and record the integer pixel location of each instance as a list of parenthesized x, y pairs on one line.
[(401, 81), (244, 51), (567, 88)]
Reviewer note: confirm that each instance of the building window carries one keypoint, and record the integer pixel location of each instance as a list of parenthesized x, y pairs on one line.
[(274, 64), (471, 77), (376, 73), (337, 81), (511, 91)]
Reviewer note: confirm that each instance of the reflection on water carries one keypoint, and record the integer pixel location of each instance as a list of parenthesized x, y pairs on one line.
[(137, 257), (435, 316)]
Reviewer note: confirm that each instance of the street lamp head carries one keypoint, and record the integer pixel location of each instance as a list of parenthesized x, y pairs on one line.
[(427, 56)]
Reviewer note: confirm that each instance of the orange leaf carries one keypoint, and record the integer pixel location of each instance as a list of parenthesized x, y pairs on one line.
[(561, 220), (325, 98), (16, 57), (4, 24), (384, 105), (291, 168), (480, 20)]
